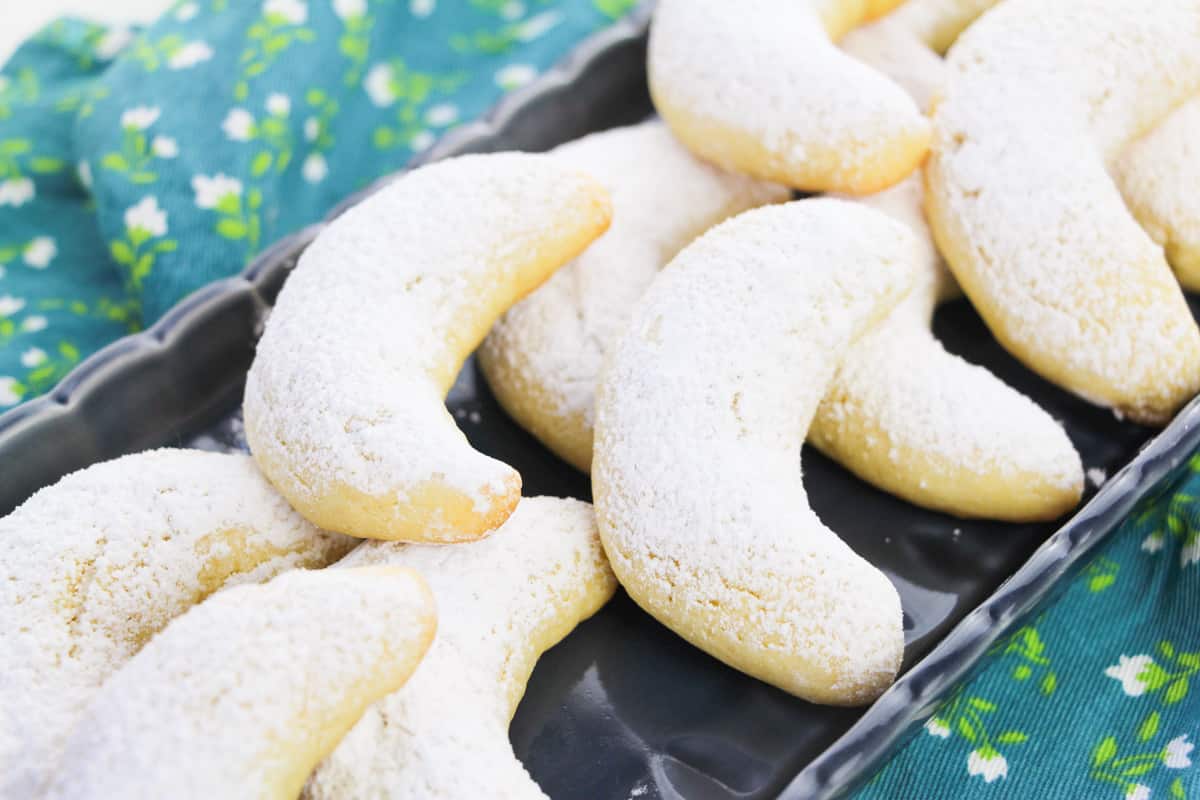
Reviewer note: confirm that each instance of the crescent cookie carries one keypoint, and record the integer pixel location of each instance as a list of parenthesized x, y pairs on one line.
[(1040, 99), (243, 695), (93, 566), (502, 602), (344, 402), (1158, 175), (542, 358), (760, 88), (702, 408), (927, 426), (904, 414)]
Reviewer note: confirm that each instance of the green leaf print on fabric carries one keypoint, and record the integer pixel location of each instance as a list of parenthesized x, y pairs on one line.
[(1124, 711), (1169, 681), (244, 122), (1127, 772), (281, 26), (144, 241), (410, 92), (172, 51), (140, 149), (17, 90), (615, 9), (969, 717)]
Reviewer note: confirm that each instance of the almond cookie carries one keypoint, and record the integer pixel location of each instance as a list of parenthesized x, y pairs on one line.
[(243, 695), (542, 358), (760, 88), (906, 415), (93, 566), (1158, 175), (501, 602), (344, 402), (1040, 100), (702, 408)]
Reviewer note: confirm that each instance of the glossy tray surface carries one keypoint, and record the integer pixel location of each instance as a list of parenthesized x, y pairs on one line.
[(623, 708)]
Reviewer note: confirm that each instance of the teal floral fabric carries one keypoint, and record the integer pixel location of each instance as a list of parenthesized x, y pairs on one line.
[(136, 167), (1098, 696)]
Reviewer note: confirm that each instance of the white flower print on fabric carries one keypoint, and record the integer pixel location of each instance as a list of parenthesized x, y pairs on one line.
[(1153, 543), (514, 76), (239, 125), (33, 357), (312, 129), (34, 324), (422, 8), (147, 216), (378, 84), (294, 12), (10, 391), (1177, 753), (164, 147), (442, 115), (937, 728), (1190, 553), (512, 10), (40, 251), (987, 764), (536, 27), (210, 191), (349, 9), (16, 191), (422, 141), (190, 55), (1139, 791), (186, 12), (84, 170), (315, 168), (1131, 673), (279, 104), (113, 42), (10, 305), (139, 118)]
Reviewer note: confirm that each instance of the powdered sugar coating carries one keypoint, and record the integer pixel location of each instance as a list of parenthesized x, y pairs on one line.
[(344, 402), (543, 357), (501, 602), (1159, 175), (760, 88), (245, 693), (924, 424), (905, 414), (94, 565), (702, 407), (1040, 98), (934, 23)]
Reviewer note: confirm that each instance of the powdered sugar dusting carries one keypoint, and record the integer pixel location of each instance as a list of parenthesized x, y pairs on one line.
[(501, 601), (1159, 175), (702, 407), (772, 74), (934, 23), (1040, 98), (900, 397), (242, 695), (93, 566), (547, 350), (937, 417), (347, 387)]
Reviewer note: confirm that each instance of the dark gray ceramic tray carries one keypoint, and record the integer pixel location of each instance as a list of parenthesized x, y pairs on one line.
[(622, 708)]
